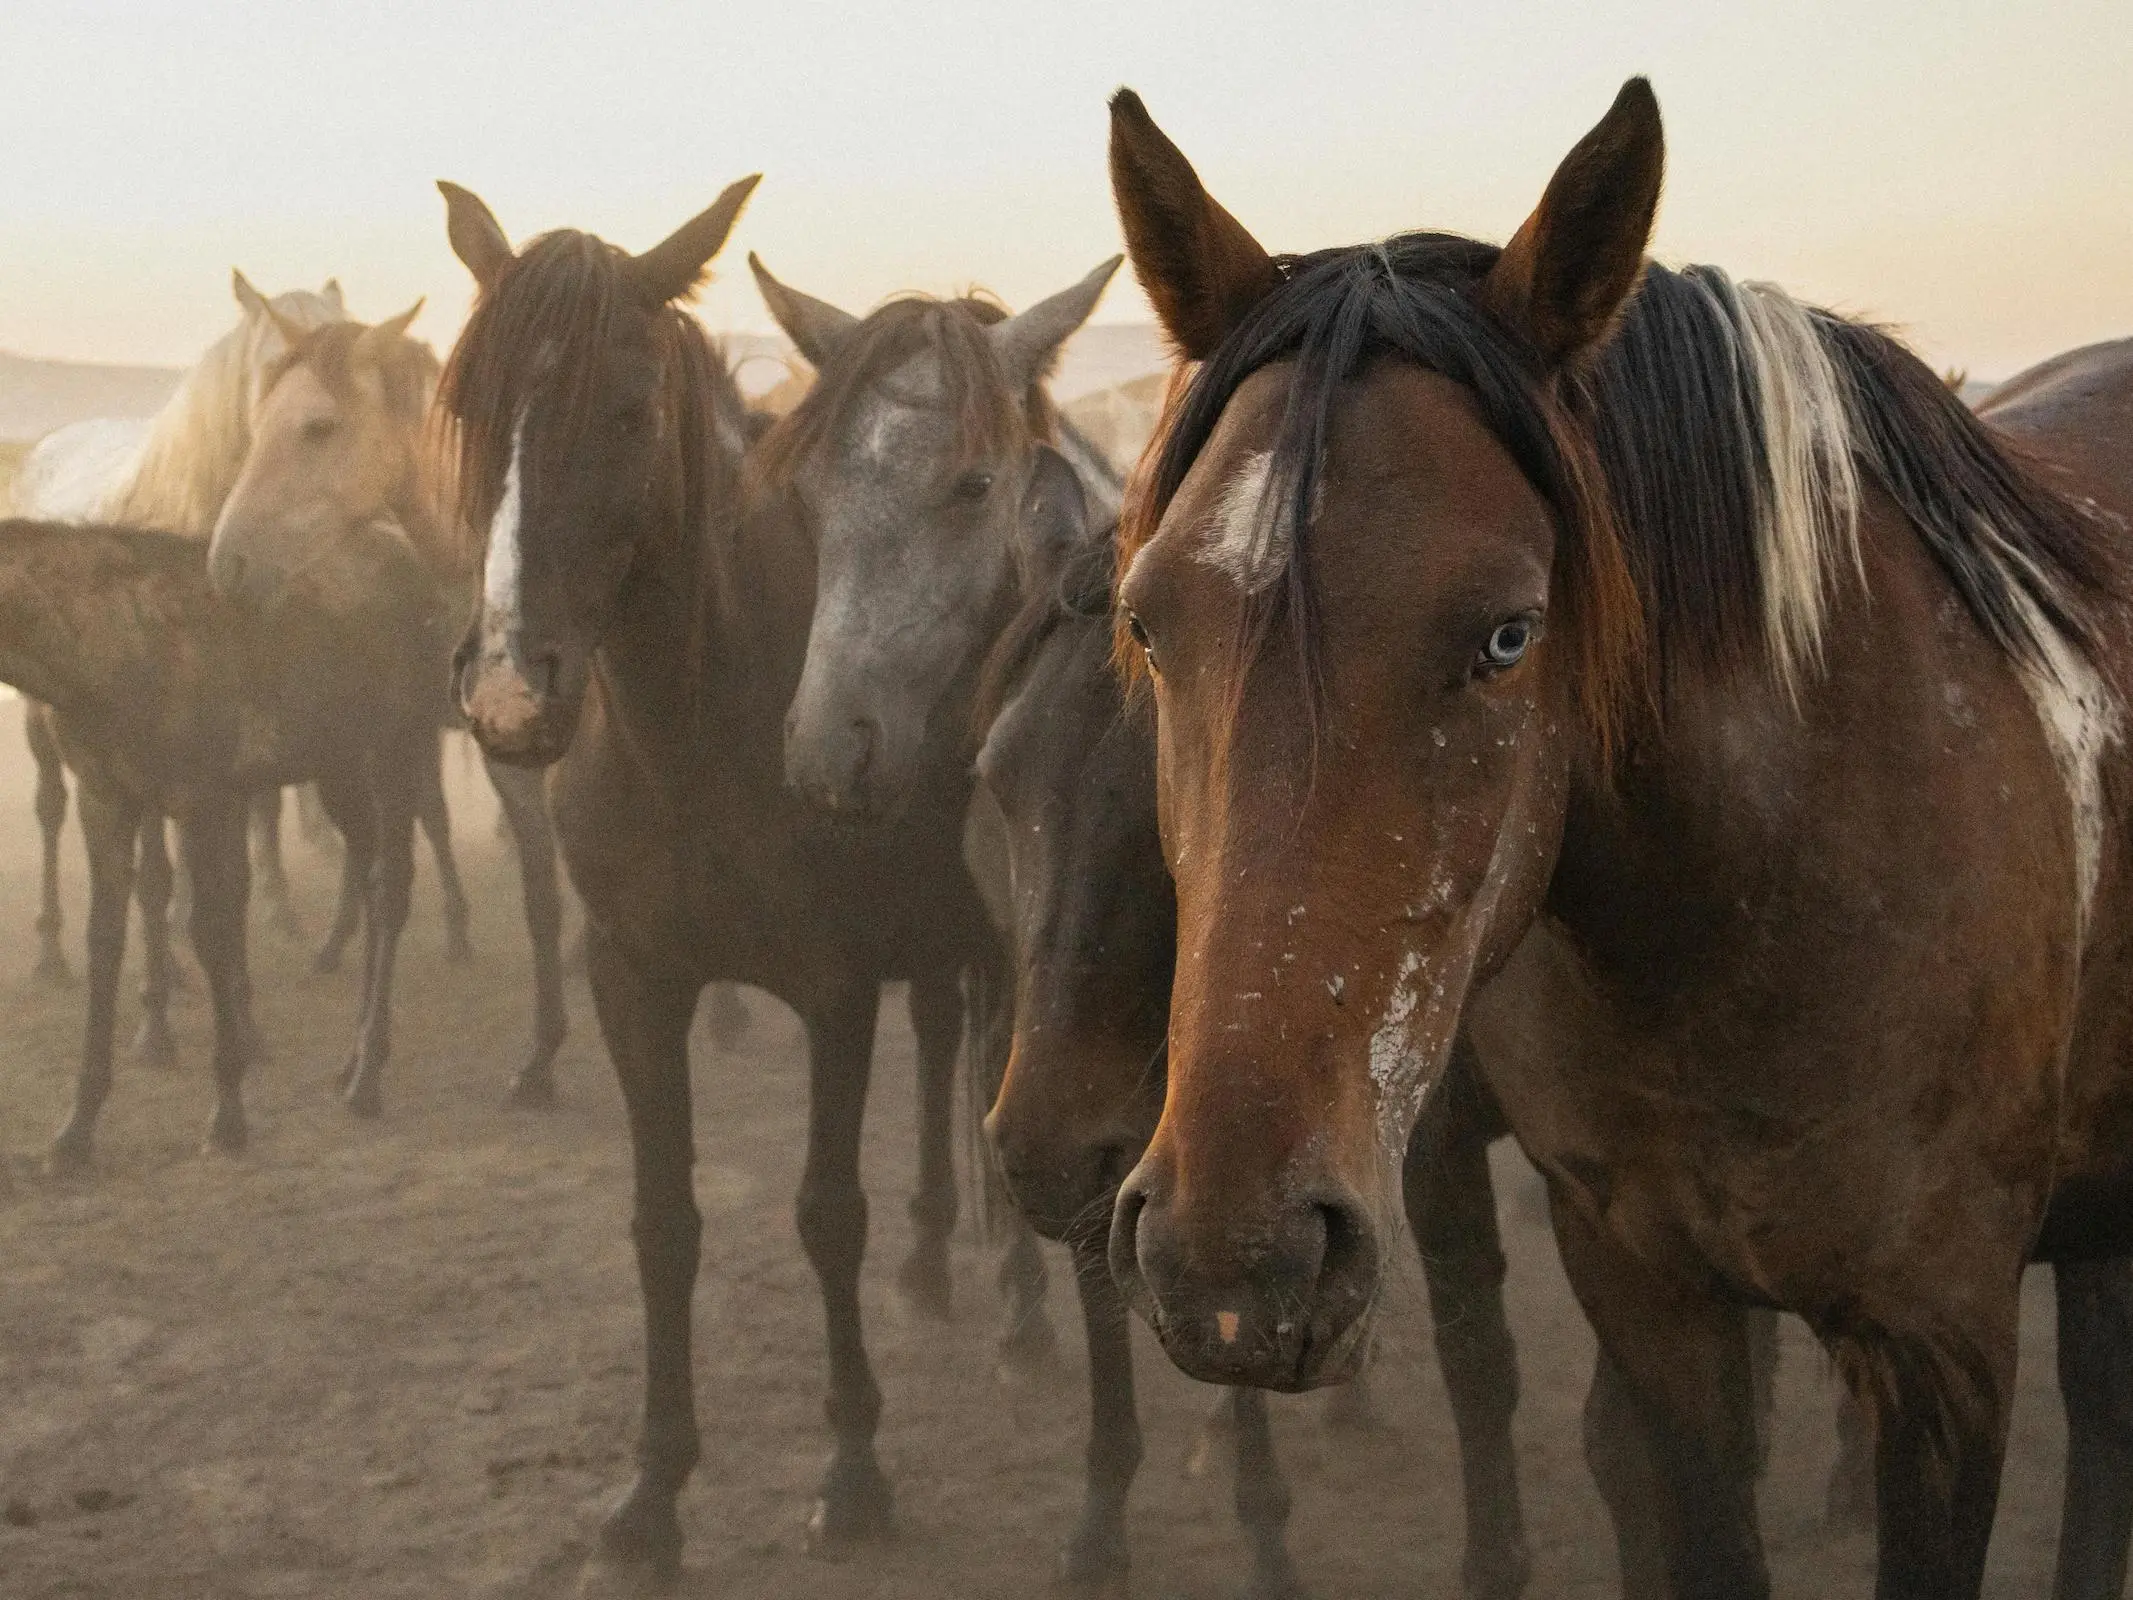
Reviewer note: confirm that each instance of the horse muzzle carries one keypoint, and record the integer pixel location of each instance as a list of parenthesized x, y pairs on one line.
[(518, 717)]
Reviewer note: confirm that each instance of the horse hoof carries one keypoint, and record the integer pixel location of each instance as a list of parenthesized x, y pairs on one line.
[(640, 1542), (1093, 1564), (364, 1100), (854, 1508), (69, 1155), (923, 1283), (227, 1134), (531, 1092), (153, 1045)]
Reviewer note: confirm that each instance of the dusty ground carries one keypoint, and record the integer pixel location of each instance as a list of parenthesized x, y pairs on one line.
[(401, 1360)]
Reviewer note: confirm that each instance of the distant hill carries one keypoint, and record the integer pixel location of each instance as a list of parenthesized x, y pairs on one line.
[(38, 396)]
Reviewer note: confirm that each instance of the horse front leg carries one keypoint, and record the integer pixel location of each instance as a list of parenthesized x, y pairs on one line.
[(854, 1502), (51, 818), (392, 886), (153, 888), (1451, 1209), (644, 1017), (435, 816), (2096, 1387), (1095, 1561), (525, 813), (268, 866), (1670, 1426), (213, 842), (936, 1005), (111, 824), (348, 906), (348, 801)]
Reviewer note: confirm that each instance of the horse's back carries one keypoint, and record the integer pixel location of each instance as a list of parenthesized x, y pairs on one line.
[(72, 473)]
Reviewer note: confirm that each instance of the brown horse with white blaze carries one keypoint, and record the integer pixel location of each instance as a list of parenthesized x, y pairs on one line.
[(1677, 686)]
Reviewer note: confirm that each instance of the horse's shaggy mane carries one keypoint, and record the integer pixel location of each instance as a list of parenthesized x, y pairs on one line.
[(974, 389), (1703, 471), (548, 321)]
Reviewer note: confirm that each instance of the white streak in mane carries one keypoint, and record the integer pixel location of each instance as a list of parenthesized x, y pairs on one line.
[(503, 567), (1807, 526), (1250, 538)]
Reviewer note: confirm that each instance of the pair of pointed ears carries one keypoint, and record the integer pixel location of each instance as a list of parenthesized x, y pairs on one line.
[(669, 270), (1025, 343), (1560, 283), (256, 305)]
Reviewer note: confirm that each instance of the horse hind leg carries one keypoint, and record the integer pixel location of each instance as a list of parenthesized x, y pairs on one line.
[(51, 819), (2096, 1386), (110, 826), (268, 866), (153, 888), (435, 815), (936, 1005)]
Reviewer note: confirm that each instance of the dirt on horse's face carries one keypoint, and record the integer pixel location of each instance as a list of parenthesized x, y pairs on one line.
[(574, 453), (1337, 892), (1366, 627), (333, 479)]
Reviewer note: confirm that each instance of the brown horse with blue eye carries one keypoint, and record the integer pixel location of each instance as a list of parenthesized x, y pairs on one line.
[(642, 627), (1676, 686)]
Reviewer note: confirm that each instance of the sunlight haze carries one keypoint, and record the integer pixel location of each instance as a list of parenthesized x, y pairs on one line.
[(1962, 169)]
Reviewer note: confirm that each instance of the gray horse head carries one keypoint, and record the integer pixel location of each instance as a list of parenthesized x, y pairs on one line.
[(914, 457)]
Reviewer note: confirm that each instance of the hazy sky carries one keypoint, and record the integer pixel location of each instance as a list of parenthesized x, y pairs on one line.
[(1960, 167)]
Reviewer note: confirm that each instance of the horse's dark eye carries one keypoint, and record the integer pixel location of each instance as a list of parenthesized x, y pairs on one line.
[(1507, 645), (973, 487), (319, 429), (1139, 632)]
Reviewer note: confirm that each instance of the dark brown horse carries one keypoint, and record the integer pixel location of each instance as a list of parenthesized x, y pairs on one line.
[(643, 631), (168, 700), (1069, 763), (1678, 687)]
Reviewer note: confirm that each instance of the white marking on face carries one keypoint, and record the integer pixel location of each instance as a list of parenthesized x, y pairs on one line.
[(1250, 539), (503, 569)]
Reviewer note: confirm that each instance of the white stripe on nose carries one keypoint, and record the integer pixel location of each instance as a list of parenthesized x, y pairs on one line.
[(502, 570)]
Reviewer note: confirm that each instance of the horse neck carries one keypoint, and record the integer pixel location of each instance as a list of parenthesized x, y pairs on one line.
[(196, 446)]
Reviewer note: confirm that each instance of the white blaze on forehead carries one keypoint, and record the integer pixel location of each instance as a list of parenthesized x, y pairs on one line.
[(1250, 538), (502, 570)]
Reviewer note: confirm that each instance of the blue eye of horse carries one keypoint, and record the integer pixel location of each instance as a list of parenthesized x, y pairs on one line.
[(1508, 643)]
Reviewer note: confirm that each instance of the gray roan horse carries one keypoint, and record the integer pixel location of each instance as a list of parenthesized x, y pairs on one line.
[(644, 630), (908, 464), (1676, 687)]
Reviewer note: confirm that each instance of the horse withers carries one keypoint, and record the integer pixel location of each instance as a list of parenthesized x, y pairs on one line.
[(1676, 686)]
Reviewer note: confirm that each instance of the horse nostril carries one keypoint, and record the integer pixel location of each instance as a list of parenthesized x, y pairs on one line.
[(1347, 1265)]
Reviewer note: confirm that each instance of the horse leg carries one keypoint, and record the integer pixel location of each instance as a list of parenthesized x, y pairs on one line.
[(644, 1018), (854, 1501), (348, 909), (213, 842), (525, 812), (1451, 1209), (1670, 1425), (936, 1005), (436, 819), (110, 826), (1262, 1500), (349, 803), (152, 887), (1848, 1502), (267, 863), (51, 818), (1095, 1560), (394, 794), (726, 1015), (1028, 1345), (2096, 1386)]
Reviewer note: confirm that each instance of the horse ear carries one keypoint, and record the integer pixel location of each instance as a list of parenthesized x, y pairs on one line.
[(675, 265), (816, 326), (394, 327), (1026, 343), (330, 292), (1569, 270), (476, 237), (1055, 517), (1201, 269), (249, 300)]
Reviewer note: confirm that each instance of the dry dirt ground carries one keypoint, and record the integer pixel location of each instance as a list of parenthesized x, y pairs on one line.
[(400, 1360)]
